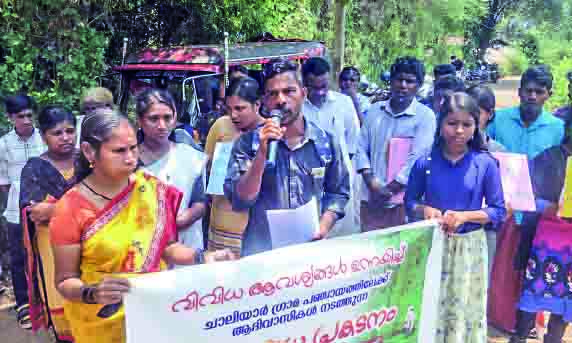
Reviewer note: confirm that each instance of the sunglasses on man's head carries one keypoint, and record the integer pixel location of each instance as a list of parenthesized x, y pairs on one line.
[(279, 67)]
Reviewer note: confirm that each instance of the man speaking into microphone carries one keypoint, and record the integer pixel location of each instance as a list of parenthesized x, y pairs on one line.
[(307, 162)]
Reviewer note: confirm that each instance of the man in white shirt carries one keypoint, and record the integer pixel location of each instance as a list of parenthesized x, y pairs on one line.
[(335, 113), (16, 148), (349, 80)]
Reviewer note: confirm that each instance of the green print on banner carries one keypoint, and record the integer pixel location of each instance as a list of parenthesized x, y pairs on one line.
[(374, 287), (406, 289)]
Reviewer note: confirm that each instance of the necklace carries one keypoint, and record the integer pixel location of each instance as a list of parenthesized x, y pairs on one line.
[(67, 170), (67, 173), (94, 192)]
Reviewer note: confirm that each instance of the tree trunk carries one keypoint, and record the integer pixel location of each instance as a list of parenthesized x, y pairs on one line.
[(340, 36), (484, 40)]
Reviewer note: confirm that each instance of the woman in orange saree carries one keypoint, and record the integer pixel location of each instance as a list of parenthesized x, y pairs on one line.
[(43, 180), (113, 224)]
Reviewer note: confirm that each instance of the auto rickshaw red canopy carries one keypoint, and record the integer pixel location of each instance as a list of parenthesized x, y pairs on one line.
[(211, 57)]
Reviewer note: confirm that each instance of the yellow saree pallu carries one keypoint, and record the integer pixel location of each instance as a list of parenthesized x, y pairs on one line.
[(126, 238)]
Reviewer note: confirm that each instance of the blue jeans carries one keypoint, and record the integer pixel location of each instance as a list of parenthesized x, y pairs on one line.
[(18, 263)]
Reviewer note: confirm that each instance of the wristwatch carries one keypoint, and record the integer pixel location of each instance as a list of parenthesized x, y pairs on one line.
[(88, 295)]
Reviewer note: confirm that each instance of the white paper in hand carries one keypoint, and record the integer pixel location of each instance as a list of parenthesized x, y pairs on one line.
[(293, 226), (219, 166)]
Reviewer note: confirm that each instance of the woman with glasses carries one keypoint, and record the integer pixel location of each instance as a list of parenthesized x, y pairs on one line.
[(349, 83)]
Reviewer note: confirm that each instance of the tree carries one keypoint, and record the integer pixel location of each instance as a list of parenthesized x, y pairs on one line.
[(54, 49), (480, 32), (51, 50), (380, 31)]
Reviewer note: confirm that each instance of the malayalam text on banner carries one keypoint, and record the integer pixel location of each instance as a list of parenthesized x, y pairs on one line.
[(374, 287)]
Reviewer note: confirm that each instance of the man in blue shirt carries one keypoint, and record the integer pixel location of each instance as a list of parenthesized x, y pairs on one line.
[(529, 129), (309, 163)]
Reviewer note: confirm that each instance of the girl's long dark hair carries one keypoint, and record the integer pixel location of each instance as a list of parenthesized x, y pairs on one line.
[(461, 102), (485, 98), (96, 129)]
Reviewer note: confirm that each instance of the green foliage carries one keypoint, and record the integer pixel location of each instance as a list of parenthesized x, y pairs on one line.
[(245, 19), (514, 62), (54, 49), (379, 32), (560, 88), (530, 49), (543, 32), (50, 51)]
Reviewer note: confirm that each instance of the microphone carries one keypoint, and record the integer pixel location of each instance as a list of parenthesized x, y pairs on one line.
[(276, 116)]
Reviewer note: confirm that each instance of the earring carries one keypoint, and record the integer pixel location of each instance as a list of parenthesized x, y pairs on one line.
[(90, 165)]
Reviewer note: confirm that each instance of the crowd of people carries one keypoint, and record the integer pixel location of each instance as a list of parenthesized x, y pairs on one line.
[(94, 200)]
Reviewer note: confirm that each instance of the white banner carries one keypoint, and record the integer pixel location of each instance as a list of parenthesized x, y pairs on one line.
[(375, 287)]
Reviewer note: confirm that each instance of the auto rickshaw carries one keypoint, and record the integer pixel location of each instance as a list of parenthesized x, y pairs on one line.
[(197, 76)]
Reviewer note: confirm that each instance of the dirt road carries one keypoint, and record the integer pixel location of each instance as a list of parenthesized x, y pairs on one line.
[(506, 92), (11, 333)]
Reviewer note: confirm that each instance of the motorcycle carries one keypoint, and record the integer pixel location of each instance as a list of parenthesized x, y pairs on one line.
[(494, 73), (377, 93), (482, 73)]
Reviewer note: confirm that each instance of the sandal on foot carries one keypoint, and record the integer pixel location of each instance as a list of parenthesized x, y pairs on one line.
[(23, 315), (533, 334)]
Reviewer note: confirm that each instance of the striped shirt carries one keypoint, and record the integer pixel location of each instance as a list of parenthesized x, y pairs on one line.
[(15, 151)]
